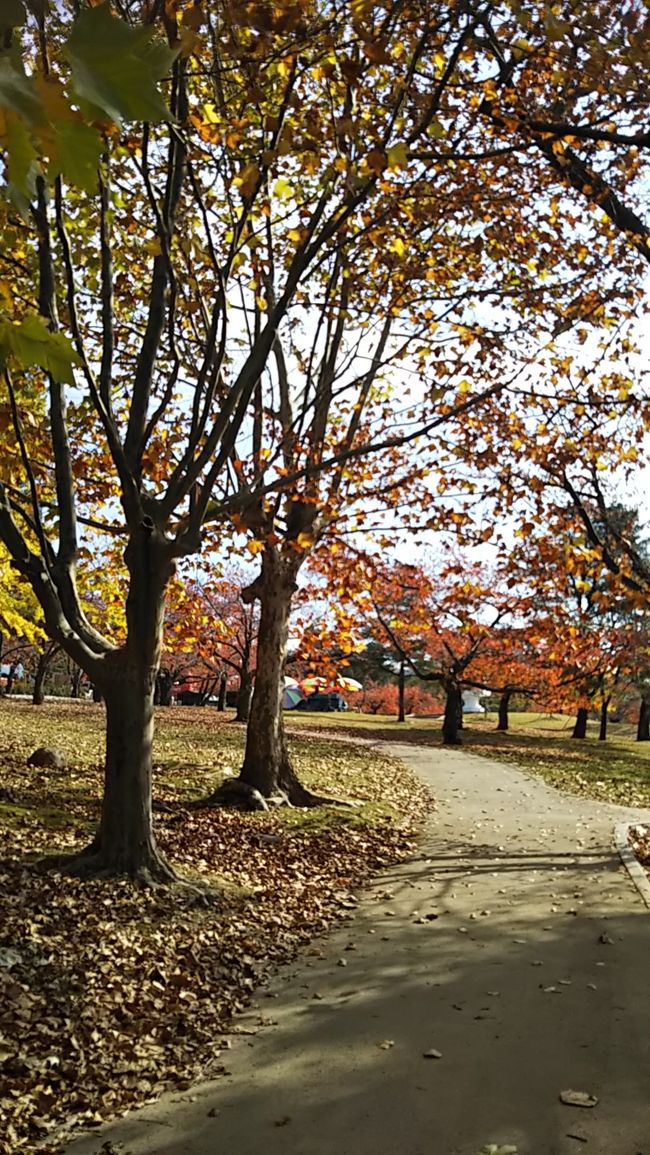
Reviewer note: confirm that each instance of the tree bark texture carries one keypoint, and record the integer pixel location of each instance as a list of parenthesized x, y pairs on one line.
[(75, 682), (580, 728), (124, 843), (45, 659), (643, 725), (265, 742), (223, 687), (267, 766), (38, 689), (164, 688), (244, 695), (504, 705), (453, 714), (602, 733), (401, 713)]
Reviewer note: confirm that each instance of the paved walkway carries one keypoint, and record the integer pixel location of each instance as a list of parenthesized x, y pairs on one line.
[(533, 979)]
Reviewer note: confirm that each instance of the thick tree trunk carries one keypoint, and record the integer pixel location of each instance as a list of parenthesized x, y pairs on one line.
[(45, 659), (124, 843), (75, 684), (504, 705), (244, 695), (453, 714), (580, 728), (164, 688), (643, 726), (602, 734), (265, 741), (223, 687), (401, 713), (267, 765), (38, 690)]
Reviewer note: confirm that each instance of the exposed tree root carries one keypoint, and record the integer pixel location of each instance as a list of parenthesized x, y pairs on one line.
[(299, 795), (236, 794), (157, 874)]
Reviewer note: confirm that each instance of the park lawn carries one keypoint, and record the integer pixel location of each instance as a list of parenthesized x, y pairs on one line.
[(111, 994), (617, 770)]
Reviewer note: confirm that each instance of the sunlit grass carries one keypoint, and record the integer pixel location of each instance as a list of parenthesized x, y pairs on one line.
[(617, 770)]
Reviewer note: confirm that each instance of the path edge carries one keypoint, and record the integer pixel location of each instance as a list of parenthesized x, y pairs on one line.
[(630, 861)]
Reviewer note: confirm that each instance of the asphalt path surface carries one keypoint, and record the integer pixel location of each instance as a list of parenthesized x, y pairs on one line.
[(506, 963)]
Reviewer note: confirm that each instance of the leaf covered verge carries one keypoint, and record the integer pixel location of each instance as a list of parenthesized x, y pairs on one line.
[(110, 994)]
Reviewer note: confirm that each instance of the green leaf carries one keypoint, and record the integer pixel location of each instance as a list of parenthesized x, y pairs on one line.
[(436, 129), (32, 343), (78, 152), (398, 155), (17, 92), (22, 158), (117, 68)]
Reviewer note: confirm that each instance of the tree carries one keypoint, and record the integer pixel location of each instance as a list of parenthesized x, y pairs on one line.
[(234, 647), (235, 284), (458, 625), (258, 186), (569, 90), (596, 630)]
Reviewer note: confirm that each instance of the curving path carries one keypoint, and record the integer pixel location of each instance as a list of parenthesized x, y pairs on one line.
[(534, 978)]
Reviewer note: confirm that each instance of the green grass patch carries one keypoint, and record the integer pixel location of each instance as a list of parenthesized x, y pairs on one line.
[(45, 816)]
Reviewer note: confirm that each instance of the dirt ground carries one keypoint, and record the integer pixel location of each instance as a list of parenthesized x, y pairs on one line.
[(507, 962)]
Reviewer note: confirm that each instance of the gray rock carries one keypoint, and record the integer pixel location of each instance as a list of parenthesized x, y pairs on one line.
[(47, 756)]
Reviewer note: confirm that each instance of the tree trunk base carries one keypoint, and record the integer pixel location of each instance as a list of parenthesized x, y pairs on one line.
[(242, 796), (236, 794), (91, 862), (299, 795)]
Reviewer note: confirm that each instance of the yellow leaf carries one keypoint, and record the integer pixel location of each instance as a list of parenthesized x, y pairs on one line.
[(210, 114), (283, 190), (398, 156)]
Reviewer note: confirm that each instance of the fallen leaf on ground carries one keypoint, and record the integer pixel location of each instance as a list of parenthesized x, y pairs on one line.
[(498, 1149), (115, 994), (578, 1099)]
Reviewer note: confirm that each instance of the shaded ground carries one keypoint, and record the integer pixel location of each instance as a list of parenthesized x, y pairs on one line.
[(532, 979), (110, 994)]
